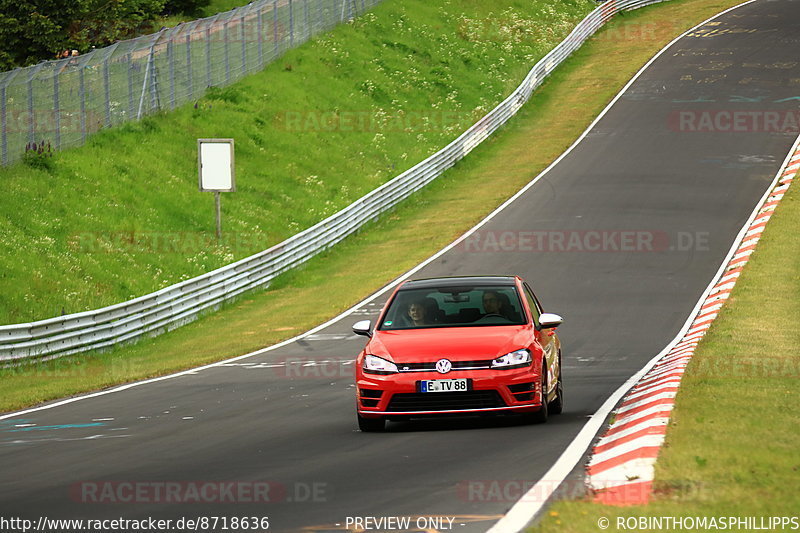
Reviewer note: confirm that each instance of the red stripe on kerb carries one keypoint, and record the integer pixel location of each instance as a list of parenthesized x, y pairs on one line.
[(621, 427), (746, 248), (650, 405), (651, 430), (647, 382), (649, 395), (645, 452)]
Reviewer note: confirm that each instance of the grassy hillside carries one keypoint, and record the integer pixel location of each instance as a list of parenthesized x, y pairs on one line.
[(121, 216)]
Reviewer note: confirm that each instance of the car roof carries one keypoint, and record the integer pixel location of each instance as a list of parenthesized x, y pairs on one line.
[(459, 281)]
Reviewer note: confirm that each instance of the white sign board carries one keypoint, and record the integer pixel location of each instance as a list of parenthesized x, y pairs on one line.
[(215, 164)]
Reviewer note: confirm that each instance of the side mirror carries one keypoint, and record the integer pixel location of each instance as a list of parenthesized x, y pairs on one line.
[(362, 328), (549, 321)]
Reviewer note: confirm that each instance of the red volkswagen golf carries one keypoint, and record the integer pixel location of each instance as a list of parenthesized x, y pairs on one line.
[(459, 346)]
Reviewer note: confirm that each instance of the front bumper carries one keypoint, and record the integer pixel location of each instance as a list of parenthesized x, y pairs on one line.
[(490, 392)]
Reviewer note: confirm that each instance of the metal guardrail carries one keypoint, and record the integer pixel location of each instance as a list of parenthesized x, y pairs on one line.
[(178, 304), (64, 101)]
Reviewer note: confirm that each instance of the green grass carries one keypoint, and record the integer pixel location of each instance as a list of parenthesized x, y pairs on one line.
[(556, 115), (328, 122)]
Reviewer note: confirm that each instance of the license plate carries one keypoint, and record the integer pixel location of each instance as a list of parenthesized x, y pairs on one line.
[(444, 385)]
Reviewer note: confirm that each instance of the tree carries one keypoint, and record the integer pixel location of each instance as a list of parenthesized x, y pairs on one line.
[(34, 30)]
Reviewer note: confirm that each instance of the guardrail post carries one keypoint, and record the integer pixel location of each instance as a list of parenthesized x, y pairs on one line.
[(57, 110)]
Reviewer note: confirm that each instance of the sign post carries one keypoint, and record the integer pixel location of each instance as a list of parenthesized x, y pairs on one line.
[(216, 171)]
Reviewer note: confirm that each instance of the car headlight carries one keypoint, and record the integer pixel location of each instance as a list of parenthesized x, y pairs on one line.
[(376, 365), (515, 359)]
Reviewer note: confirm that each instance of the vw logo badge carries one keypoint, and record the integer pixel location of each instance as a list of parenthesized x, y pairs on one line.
[(443, 366)]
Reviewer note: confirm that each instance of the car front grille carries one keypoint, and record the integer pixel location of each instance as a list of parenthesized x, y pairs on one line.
[(457, 365), (445, 401)]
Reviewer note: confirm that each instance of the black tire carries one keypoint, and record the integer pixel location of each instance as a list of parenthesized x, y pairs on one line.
[(371, 425), (556, 407), (540, 416)]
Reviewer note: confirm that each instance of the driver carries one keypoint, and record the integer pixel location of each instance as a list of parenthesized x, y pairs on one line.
[(418, 313)]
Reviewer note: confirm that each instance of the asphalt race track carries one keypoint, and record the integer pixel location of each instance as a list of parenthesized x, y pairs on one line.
[(665, 181)]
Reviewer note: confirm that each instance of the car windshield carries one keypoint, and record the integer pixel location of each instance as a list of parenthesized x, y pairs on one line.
[(454, 307)]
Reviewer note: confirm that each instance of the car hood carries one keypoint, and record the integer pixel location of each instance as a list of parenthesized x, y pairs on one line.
[(456, 344)]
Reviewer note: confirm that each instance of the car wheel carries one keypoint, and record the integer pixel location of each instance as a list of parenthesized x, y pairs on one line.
[(540, 416), (557, 405), (371, 425)]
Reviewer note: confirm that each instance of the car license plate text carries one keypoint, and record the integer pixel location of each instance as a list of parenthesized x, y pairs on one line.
[(444, 385)]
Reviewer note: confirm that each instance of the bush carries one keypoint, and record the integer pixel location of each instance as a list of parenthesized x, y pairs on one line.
[(187, 7), (39, 155)]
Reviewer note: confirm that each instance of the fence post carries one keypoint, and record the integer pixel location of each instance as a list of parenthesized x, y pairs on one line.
[(155, 101), (305, 20), (291, 25), (189, 80), (208, 56), (244, 48), (107, 90), (171, 60), (275, 26), (57, 110), (31, 118), (82, 96), (131, 102), (260, 39), (3, 124), (227, 54)]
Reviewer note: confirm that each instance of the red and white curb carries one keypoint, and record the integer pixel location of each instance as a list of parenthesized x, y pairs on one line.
[(622, 464)]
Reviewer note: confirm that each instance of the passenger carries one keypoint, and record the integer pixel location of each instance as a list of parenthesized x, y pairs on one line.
[(495, 304)]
